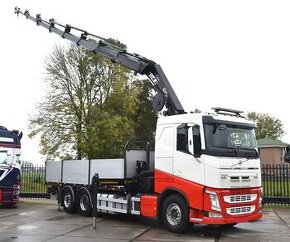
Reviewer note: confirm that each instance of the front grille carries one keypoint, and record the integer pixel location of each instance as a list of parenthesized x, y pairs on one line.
[(240, 179), (240, 210), (240, 198)]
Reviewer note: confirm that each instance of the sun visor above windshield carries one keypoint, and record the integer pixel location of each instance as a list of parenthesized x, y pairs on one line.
[(232, 121), (8, 138)]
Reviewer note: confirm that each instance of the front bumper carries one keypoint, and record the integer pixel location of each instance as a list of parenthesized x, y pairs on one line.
[(235, 206), (9, 195)]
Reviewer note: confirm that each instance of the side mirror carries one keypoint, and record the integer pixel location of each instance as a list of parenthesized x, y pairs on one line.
[(190, 145), (9, 160), (287, 158), (196, 141)]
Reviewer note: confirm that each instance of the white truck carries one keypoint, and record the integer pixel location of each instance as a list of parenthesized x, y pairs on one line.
[(205, 168)]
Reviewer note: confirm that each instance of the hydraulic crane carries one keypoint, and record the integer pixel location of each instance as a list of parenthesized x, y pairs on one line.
[(205, 167), (139, 64)]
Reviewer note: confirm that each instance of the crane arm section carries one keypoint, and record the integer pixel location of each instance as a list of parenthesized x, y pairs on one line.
[(99, 45)]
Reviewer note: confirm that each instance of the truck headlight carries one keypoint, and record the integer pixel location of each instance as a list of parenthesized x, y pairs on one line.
[(214, 200)]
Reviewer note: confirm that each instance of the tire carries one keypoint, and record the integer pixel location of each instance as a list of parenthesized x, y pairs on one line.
[(175, 214), (85, 203), (68, 200)]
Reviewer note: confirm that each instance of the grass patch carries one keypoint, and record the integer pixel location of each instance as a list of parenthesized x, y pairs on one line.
[(278, 188)]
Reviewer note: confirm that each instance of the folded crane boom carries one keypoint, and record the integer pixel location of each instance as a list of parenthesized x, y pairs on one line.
[(141, 65)]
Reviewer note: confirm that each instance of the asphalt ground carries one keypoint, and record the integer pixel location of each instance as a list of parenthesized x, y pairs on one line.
[(40, 220)]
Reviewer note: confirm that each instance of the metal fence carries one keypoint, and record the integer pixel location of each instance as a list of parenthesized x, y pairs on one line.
[(275, 181), (33, 181)]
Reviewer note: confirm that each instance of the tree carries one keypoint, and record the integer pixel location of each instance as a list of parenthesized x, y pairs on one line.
[(267, 126), (91, 106), (145, 117)]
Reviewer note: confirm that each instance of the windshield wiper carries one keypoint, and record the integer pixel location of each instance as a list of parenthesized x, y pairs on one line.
[(252, 150), (233, 149)]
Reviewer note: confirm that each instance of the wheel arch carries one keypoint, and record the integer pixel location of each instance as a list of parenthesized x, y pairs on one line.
[(168, 192)]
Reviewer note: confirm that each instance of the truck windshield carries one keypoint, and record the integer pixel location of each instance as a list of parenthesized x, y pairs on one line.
[(230, 140), (3, 157)]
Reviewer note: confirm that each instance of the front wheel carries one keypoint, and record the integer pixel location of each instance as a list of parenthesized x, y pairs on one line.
[(175, 214)]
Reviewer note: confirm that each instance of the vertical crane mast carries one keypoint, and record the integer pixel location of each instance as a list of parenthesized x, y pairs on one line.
[(98, 45)]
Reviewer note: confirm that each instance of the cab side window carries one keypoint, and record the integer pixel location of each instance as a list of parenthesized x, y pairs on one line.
[(182, 137)]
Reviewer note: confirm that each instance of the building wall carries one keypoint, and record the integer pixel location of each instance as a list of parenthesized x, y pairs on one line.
[(271, 155)]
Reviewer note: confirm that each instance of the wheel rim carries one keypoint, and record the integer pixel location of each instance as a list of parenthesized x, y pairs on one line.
[(67, 200), (84, 202), (173, 214)]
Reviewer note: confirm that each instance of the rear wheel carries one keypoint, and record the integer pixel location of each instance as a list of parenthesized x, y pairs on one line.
[(175, 214), (85, 203), (68, 200)]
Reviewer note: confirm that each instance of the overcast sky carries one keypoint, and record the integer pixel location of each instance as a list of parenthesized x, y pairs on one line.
[(233, 54)]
